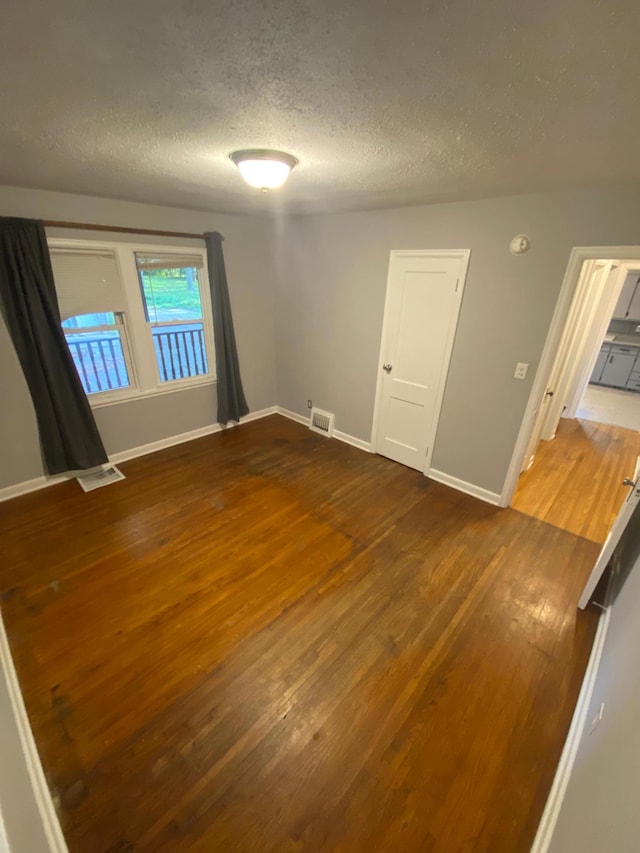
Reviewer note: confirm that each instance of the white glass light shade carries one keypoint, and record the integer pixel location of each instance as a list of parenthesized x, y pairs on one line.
[(264, 170)]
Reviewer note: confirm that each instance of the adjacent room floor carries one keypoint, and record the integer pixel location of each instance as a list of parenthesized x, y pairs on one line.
[(575, 481), (611, 406), (267, 640)]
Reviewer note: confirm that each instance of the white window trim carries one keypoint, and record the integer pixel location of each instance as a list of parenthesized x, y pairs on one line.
[(113, 395), (127, 395), (145, 377)]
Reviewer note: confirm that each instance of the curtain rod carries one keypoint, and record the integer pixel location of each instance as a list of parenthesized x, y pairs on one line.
[(121, 230)]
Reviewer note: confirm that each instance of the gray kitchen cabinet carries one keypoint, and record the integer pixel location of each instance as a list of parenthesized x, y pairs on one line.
[(628, 304), (603, 355), (617, 369)]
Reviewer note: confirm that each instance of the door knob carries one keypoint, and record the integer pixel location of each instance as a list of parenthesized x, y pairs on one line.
[(387, 368), (628, 481)]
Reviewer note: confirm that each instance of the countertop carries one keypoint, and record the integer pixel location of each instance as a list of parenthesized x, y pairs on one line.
[(625, 340)]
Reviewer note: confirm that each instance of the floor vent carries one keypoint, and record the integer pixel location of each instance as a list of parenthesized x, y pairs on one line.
[(95, 479), (322, 422)]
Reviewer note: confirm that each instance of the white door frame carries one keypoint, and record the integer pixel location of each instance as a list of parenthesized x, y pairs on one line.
[(463, 255), (602, 318), (570, 336), (578, 255), (595, 296)]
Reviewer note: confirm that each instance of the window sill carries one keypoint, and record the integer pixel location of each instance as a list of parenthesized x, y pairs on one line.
[(132, 396)]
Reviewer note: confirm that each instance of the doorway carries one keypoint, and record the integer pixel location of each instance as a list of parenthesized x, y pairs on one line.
[(424, 294), (602, 353), (583, 321), (584, 440), (597, 352), (612, 393)]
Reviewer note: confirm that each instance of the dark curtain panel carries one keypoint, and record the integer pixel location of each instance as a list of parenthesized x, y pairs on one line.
[(68, 434), (231, 402)]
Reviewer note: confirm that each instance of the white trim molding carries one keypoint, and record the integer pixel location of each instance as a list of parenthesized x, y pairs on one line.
[(132, 453), (293, 416), (154, 446), (42, 796), (558, 790), (462, 486), (17, 489), (360, 443)]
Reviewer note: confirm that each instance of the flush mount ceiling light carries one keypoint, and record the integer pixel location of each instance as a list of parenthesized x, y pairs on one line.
[(263, 169)]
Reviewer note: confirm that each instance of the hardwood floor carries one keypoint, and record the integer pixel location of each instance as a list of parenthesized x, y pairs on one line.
[(576, 480), (265, 640)]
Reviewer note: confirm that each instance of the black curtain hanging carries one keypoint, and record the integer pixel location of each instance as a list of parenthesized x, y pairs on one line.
[(231, 401), (69, 436)]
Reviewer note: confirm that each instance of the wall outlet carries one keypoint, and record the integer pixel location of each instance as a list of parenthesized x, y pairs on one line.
[(309, 404), (521, 370), (597, 717)]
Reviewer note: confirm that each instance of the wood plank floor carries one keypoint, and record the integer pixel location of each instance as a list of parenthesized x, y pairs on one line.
[(266, 640), (576, 479)]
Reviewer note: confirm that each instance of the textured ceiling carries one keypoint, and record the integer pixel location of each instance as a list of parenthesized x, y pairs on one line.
[(384, 103)]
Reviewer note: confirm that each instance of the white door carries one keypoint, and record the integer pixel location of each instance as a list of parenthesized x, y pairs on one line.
[(615, 534), (424, 291)]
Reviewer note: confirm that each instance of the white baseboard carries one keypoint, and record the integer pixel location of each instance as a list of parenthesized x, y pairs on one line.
[(46, 813), (293, 416), (133, 453), (260, 413), (163, 443), (360, 443), (183, 437), (463, 486), (27, 486), (563, 773)]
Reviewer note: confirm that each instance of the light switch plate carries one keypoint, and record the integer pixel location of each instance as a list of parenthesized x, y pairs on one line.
[(521, 370)]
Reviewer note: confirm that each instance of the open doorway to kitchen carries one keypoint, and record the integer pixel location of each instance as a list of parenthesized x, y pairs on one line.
[(611, 394), (580, 438), (598, 349)]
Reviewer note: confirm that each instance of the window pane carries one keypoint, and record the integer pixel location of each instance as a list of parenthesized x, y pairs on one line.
[(99, 359), (171, 294), (180, 351), (88, 321)]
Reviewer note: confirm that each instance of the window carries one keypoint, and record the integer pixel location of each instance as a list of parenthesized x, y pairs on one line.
[(173, 310), (137, 320), (96, 345)]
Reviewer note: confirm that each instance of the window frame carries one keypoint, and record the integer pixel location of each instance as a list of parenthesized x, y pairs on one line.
[(136, 333), (119, 326)]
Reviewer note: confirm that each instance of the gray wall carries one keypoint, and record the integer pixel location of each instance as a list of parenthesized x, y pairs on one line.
[(600, 808), (332, 273), (326, 323), (250, 269)]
